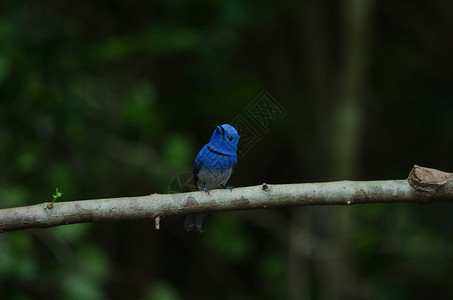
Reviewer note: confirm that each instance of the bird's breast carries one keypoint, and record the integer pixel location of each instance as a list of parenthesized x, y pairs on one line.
[(213, 178)]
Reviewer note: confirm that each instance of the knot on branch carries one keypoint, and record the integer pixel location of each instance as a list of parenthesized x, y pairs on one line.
[(266, 187), (428, 180)]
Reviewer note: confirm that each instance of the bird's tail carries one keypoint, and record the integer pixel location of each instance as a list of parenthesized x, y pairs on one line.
[(195, 223)]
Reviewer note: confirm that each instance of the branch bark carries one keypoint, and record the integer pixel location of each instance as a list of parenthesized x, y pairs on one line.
[(424, 185)]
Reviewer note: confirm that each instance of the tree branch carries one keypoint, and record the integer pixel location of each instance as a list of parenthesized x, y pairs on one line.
[(424, 185)]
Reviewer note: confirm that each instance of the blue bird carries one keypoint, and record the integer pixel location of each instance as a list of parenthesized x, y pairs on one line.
[(213, 167)]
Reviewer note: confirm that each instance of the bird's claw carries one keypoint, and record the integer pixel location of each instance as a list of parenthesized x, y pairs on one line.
[(204, 188), (228, 187)]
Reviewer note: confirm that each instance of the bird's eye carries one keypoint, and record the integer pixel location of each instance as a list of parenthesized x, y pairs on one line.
[(230, 138)]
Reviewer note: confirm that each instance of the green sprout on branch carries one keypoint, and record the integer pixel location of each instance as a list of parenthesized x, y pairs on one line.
[(55, 197)]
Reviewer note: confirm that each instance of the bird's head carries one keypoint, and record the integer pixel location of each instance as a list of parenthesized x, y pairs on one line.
[(225, 139)]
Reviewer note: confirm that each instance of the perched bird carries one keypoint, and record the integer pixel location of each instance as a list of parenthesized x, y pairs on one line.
[(213, 167)]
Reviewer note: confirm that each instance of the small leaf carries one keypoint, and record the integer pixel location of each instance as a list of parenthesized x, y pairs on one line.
[(55, 197)]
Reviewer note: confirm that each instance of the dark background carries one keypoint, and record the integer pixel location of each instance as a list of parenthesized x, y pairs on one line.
[(115, 98)]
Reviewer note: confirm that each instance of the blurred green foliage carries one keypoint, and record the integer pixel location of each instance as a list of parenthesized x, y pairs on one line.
[(114, 98)]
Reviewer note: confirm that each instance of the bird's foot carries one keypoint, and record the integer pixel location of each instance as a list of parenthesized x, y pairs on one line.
[(227, 187), (204, 188)]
